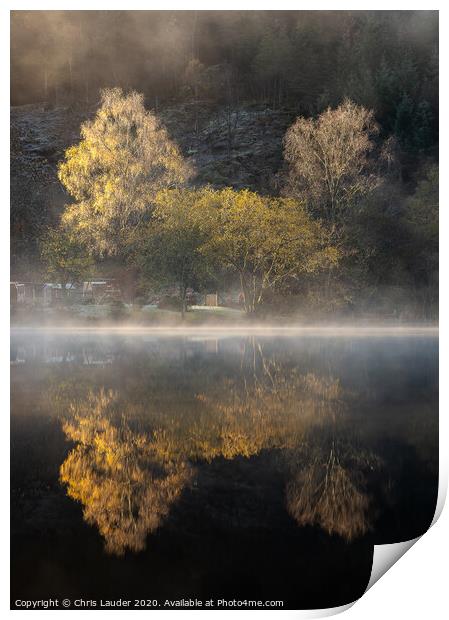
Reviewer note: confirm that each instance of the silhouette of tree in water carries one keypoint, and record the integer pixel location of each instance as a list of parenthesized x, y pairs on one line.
[(328, 487)]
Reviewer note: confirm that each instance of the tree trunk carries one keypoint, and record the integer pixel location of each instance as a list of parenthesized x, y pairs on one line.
[(183, 302), (244, 292), (249, 296), (197, 125)]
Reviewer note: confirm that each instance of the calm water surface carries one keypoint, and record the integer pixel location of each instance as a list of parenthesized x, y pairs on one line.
[(244, 467)]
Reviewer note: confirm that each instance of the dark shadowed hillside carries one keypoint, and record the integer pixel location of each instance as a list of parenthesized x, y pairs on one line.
[(39, 136)]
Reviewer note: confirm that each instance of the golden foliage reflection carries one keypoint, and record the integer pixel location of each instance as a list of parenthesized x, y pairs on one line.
[(328, 488), (127, 480), (125, 489)]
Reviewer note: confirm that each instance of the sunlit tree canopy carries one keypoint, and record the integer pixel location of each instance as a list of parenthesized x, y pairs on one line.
[(124, 157)]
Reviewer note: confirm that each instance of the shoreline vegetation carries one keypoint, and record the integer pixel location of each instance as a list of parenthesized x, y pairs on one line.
[(309, 251), (335, 219)]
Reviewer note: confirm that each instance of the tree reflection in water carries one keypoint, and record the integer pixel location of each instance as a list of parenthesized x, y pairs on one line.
[(127, 480), (125, 489), (328, 487), (304, 416)]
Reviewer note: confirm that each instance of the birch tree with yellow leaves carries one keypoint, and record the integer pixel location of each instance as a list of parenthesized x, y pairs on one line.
[(125, 156)]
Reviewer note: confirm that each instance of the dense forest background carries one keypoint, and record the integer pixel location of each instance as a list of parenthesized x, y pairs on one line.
[(228, 84)]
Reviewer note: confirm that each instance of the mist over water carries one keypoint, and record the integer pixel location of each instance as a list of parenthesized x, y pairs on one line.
[(243, 457), (234, 330)]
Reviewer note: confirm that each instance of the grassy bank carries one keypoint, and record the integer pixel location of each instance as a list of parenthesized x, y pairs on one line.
[(126, 313)]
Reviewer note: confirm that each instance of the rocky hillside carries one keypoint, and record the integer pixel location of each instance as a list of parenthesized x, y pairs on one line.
[(38, 137), (240, 147)]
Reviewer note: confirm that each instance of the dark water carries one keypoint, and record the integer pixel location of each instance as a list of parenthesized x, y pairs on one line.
[(250, 468)]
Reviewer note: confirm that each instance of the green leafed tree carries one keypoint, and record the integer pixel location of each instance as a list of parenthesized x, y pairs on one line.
[(66, 260), (123, 159), (266, 241), (169, 248)]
